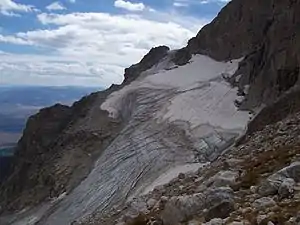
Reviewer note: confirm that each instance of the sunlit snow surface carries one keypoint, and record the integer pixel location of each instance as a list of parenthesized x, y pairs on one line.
[(201, 94), (175, 116)]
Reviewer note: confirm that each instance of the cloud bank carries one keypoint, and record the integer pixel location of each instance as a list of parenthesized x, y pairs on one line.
[(90, 48)]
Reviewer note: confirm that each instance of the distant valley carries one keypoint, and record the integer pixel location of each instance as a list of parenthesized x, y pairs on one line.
[(18, 103)]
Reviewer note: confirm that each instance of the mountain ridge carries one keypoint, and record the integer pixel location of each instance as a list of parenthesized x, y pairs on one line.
[(252, 30)]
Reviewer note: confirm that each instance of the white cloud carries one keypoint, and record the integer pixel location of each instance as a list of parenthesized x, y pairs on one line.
[(92, 48), (187, 3), (55, 6), (214, 1), (129, 5), (13, 40), (46, 70), (180, 4), (9, 7)]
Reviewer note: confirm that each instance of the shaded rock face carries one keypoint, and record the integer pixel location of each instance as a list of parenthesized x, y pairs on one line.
[(34, 147), (267, 34), (56, 152), (153, 57), (182, 56), (287, 104)]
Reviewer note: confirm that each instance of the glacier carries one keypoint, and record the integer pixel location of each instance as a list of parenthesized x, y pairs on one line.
[(175, 116)]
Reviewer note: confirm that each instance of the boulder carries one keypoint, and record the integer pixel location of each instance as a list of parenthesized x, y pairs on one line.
[(286, 189), (181, 208), (223, 179), (215, 196), (216, 221), (272, 184), (219, 203), (221, 210), (263, 203)]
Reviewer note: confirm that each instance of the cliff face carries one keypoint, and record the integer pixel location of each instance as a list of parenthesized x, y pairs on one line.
[(266, 34), (154, 56), (56, 152)]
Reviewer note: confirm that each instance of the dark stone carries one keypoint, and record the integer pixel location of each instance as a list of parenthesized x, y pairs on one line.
[(182, 57), (221, 210), (5, 165), (149, 60)]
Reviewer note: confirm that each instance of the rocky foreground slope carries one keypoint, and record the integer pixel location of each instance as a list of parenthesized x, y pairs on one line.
[(95, 162)]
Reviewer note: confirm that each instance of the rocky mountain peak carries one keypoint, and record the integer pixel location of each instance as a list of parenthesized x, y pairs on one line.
[(150, 59), (266, 34)]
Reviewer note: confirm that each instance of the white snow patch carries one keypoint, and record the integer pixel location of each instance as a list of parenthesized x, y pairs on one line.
[(172, 174), (246, 89), (212, 104), (237, 78), (200, 69), (198, 73)]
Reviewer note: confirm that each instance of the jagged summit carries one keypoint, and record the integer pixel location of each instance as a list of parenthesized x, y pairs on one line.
[(266, 34), (175, 111), (152, 58)]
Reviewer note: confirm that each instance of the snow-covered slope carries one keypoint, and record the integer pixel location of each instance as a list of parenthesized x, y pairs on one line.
[(174, 116), (197, 99), (201, 96)]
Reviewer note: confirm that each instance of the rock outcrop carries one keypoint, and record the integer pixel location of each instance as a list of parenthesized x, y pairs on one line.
[(56, 152), (154, 56), (267, 35)]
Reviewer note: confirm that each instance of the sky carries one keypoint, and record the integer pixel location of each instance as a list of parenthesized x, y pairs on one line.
[(91, 42)]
